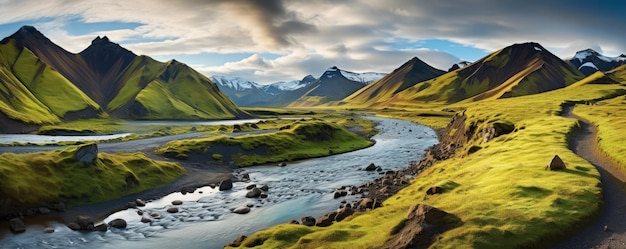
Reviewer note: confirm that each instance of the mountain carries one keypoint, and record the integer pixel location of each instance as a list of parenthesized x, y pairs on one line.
[(589, 61), (47, 84), (458, 65), (280, 87), (516, 70), (334, 84), (407, 75)]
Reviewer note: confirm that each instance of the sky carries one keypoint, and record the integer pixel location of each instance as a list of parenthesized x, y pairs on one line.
[(269, 41)]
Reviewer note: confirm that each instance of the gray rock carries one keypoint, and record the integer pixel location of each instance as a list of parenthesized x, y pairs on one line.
[(242, 210), (556, 163), (44, 210), (255, 192), (172, 210), (251, 186), (118, 223), (344, 213), (101, 227), (17, 225), (59, 207), (308, 221), (73, 226), (146, 219), (140, 202), (177, 202), (264, 188), (434, 190), (48, 230), (370, 167), (87, 154), (365, 203), (85, 222), (226, 184)]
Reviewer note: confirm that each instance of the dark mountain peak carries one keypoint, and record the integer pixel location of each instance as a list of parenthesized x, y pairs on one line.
[(101, 46), (622, 55), (458, 65), (588, 51), (307, 79), (28, 36), (334, 67), (100, 40), (527, 46), (28, 29)]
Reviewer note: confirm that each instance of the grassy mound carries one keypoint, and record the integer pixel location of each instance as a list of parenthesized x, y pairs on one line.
[(502, 192), (29, 179), (300, 140)]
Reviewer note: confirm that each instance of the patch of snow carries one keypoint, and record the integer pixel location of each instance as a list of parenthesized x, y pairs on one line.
[(588, 64), (236, 83), (538, 49), (288, 86), (364, 78), (582, 55)]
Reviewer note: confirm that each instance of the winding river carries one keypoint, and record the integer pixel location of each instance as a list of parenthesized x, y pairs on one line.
[(205, 219)]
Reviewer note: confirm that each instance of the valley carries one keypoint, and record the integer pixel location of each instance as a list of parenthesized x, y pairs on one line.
[(518, 149)]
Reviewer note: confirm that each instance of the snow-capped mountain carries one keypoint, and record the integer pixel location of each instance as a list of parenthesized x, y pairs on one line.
[(279, 87), (589, 61), (235, 83), (364, 78)]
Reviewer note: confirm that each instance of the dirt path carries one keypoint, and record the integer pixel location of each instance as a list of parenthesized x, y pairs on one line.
[(613, 214)]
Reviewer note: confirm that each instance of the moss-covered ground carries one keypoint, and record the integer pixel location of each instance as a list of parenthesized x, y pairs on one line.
[(502, 193), (299, 140), (29, 179)]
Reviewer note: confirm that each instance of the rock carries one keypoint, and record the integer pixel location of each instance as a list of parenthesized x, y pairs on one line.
[(326, 220), (87, 154), (85, 222), (264, 195), (370, 167), (379, 169), (237, 242), (420, 228), (155, 215), (606, 228), (245, 176), (226, 184), (59, 207), (283, 164), (146, 219), (17, 225), (172, 210), (73, 226), (308, 221), (131, 204), (295, 222), (140, 203), (434, 190), (48, 230), (118, 223), (101, 228), (255, 192), (242, 210), (365, 203), (344, 213), (177, 202), (140, 212), (556, 163), (44, 210), (251, 186), (264, 188), (337, 194)]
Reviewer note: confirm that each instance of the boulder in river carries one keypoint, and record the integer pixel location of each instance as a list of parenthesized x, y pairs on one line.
[(326, 220), (146, 219), (48, 229), (556, 163), (140, 202), (255, 192), (118, 223), (308, 221), (87, 154), (226, 184), (85, 222), (177, 202), (101, 228), (264, 188), (370, 167), (242, 210), (17, 225), (172, 210)]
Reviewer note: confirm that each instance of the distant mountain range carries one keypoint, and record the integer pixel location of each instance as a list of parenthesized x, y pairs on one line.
[(334, 84), (589, 61), (43, 83)]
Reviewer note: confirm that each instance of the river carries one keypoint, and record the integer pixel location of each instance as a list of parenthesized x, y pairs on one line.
[(205, 219)]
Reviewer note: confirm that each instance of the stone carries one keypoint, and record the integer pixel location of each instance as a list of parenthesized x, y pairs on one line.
[(308, 221), (370, 167), (264, 195), (87, 154), (85, 222), (59, 207), (251, 186), (242, 210), (245, 176), (48, 230), (140, 202), (155, 215), (365, 203), (118, 223), (255, 192), (44, 210), (172, 210), (226, 184), (556, 163), (101, 228), (344, 213), (131, 204), (434, 190), (177, 202), (237, 242), (16, 225), (146, 219), (283, 164), (140, 212), (264, 188), (326, 220), (73, 226), (295, 222)]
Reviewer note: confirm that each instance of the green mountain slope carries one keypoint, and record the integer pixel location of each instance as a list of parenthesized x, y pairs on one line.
[(405, 76), (331, 86), (517, 70)]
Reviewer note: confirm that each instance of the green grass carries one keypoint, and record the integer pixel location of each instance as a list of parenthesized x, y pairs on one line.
[(300, 140), (29, 179), (502, 193)]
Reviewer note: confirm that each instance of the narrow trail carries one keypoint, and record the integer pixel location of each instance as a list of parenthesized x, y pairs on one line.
[(613, 214)]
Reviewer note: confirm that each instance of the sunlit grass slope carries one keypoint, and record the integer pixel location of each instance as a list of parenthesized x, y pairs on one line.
[(300, 140), (32, 91), (29, 179), (502, 193)]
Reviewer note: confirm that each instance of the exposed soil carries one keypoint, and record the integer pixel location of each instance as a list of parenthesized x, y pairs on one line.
[(609, 229)]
